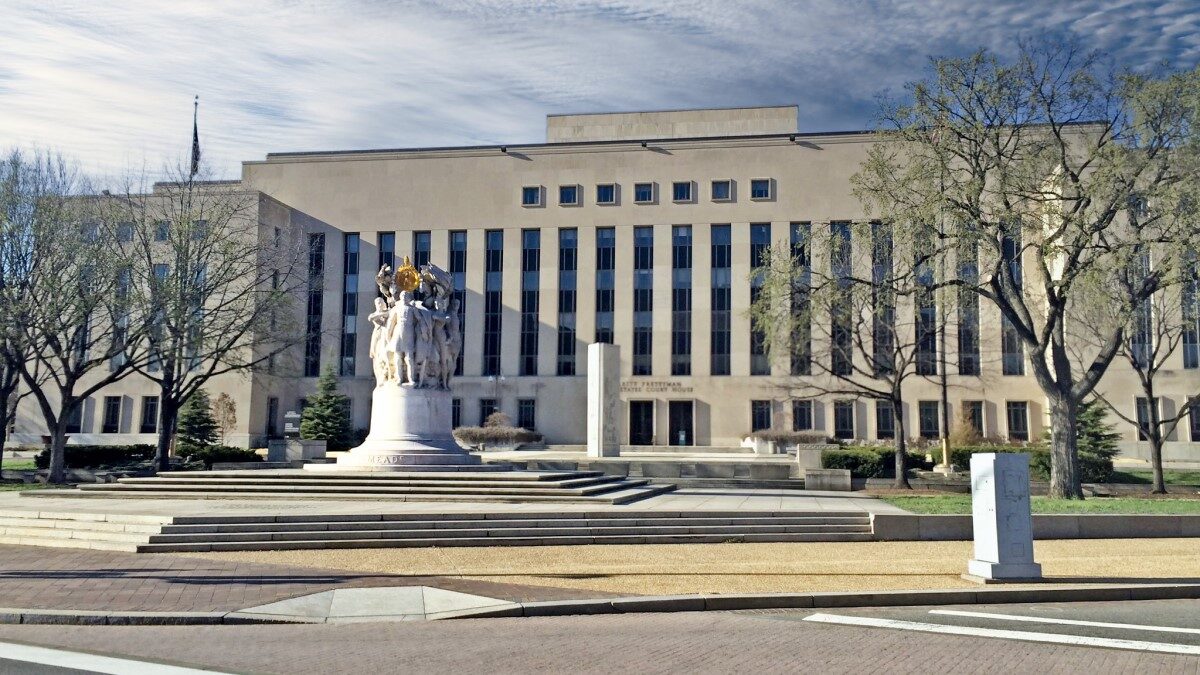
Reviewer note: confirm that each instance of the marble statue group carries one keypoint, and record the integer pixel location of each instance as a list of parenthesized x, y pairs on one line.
[(415, 342)]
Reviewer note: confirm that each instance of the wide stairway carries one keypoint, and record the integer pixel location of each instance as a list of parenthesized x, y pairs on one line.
[(166, 534), (586, 487)]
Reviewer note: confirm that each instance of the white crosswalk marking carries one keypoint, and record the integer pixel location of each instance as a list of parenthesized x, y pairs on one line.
[(1066, 622), (61, 658), (1027, 636)]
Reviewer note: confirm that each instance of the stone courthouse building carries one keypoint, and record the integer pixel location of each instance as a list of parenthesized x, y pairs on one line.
[(632, 228)]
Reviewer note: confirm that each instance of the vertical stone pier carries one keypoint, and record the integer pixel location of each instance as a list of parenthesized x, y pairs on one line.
[(603, 400)]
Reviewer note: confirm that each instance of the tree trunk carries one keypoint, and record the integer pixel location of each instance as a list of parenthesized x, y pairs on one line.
[(58, 451), (168, 416), (1064, 454), (1156, 464), (901, 481)]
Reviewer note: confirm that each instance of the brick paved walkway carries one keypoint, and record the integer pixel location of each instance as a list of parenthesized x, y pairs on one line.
[(49, 578)]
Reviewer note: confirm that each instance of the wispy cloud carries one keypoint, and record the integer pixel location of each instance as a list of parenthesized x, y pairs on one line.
[(111, 83)]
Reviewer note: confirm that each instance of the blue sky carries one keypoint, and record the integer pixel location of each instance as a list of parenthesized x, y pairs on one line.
[(111, 83)]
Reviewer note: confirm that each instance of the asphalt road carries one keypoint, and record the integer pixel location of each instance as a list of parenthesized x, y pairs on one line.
[(716, 642)]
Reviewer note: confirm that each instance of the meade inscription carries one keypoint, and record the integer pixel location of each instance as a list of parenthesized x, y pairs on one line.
[(655, 387)]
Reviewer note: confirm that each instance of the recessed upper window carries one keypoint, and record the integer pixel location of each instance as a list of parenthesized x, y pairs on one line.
[(760, 188), (681, 191), (606, 193), (531, 195), (568, 195), (722, 190), (643, 193)]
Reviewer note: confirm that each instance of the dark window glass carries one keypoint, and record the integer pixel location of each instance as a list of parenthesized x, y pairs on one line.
[(314, 305), (760, 415), (492, 302), (149, 415), (273, 417), (527, 413), (968, 309), (885, 419), (162, 230), (487, 406), (926, 306), (802, 415), (843, 419), (1145, 425), (760, 257), (973, 411), (531, 267), (1190, 298), (928, 419), (75, 419), (1012, 350), (387, 250), (568, 267), (124, 232), (1194, 419), (721, 191), (458, 272), (681, 300), (883, 300), (681, 191), (421, 248), (111, 423), (455, 413), (643, 299), (606, 259), (721, 299), (1141, 340), (606, 194), (643, 193), (801, 334), (840, 311), (349, 304), (760, 188), (531, 195), (1018, 420), (568, 195)]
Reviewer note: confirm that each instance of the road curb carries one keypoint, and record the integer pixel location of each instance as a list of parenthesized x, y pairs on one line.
[(650, 604), (964, 596)]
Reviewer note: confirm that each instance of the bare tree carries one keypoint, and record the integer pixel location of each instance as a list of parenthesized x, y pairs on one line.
[(219, 267), (73, 308), (1043, 158), (873, 303), (1160, 328), (225, 414)]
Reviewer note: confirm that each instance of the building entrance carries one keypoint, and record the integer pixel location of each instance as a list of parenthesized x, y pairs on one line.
[(641, 422), (679, 423)]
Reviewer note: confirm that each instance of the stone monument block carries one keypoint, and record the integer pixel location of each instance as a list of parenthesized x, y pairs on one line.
[(294, 450), (603, 400), (1001, 518)]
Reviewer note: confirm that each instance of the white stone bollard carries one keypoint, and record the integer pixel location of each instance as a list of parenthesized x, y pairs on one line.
[(1001, 518), (603, 400)]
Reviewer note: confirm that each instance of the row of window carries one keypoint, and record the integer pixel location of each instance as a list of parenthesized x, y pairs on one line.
[(805, 418), (110, 416), (682, 192)]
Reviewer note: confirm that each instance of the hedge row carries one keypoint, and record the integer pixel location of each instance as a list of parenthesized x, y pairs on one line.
[(502, 435), (1092, 468), (93, 456), (792, 437), (220, 453), (869, 461)]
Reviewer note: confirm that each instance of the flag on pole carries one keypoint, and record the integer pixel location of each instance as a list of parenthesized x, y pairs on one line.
[(195, 138)]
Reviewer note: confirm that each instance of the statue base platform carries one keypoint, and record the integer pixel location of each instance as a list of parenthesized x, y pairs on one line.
[(410, 431)]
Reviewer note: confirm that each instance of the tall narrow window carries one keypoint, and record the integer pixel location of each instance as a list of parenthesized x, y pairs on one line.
[(1190, 298), (1145, 423), (801, 333), (527, 413), (455, 413), (1012, 350), (926, 306), (111, 423), (760, 415), (802, 415), (722, 299), (349, 304), (458, 272), (531, 269), (387, 250), (968, 308), (314, 305), (1142, 340), (883, 300), (843, 419), (606, 260), (1018, 420), (492, 301), (973, 415), (421, 246), (928, 418), (681, 300), (841, 362), (272, 426), (885, 419), (643, 299), (568, 266), (760, 259), (1194, 419), (487, 406), (149, 423), (75, 418)]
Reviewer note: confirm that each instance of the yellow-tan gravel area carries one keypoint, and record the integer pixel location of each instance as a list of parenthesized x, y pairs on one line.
[(661, 569)]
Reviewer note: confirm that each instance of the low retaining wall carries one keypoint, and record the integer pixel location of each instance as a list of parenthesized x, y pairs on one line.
[(917, 527)]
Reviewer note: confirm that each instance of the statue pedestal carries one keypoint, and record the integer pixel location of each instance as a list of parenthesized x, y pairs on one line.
[(410, 431)]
